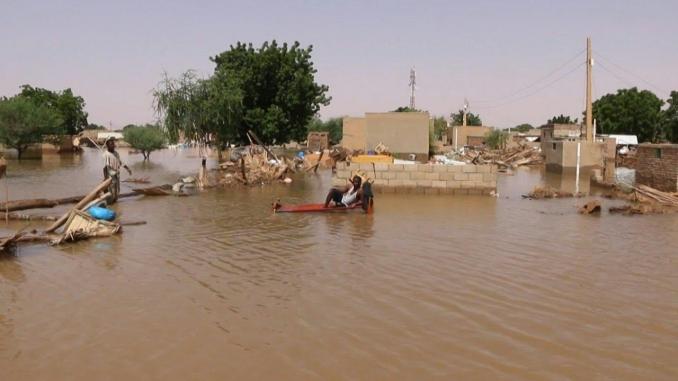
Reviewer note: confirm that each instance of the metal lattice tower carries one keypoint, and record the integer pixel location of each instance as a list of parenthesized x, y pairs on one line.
[(413, 85)]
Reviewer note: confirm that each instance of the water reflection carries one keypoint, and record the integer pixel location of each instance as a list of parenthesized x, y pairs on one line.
[(566, 180)]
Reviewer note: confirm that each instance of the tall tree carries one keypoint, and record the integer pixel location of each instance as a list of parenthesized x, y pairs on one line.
[(562, 119), (279, 92), (629, 111), (202, 110), (670, 119), (23, 122), (71, 108), (471, 119)]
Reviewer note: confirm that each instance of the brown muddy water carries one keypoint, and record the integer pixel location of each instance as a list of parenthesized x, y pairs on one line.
[(217, 287)]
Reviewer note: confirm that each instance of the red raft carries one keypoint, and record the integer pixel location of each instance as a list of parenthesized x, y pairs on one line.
[(320, 208)]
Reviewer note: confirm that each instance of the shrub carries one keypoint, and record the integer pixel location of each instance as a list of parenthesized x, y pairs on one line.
[(145, 139)]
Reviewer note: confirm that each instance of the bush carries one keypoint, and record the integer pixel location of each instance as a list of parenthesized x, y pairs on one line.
[(496, 139), (145, 139)]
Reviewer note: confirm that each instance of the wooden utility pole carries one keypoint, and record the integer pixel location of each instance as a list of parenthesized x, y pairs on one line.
[(589, 101)]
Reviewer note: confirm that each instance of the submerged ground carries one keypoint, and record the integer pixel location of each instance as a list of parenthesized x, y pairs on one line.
[(215, 286)]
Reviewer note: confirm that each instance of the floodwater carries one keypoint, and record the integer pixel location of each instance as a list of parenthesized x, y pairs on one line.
[(217, 287)]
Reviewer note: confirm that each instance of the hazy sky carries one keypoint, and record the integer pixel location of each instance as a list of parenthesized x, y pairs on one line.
[(495, 53)]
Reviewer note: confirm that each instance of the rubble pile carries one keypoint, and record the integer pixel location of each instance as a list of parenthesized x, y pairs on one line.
[(509, 158), (254, 168), (549, 192), (644, 200)]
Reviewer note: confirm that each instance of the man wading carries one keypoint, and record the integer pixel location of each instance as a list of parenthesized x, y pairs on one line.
[(112, 166)]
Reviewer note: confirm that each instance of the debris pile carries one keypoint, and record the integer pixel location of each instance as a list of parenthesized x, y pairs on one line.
[(644, 200), (549, 192), (254, 168), (509, 158), (590, 207)]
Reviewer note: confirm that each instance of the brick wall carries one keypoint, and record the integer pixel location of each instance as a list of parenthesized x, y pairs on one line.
[(658, 172), (423, 178)]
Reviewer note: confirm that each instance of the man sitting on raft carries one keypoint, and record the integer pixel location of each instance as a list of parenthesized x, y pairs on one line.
[(346, 196)]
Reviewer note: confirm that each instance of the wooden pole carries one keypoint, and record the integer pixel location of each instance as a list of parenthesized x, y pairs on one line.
[(89, 197), (256, 138), (6, 202), (315, 170), (589, 104)]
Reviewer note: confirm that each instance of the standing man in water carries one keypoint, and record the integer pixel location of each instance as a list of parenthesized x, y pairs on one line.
[(112, 166)]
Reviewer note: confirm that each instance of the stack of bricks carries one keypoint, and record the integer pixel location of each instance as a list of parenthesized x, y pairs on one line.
[(657, 166), (423, 178)]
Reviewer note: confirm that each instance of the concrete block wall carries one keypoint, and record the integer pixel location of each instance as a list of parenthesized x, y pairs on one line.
[(423, 178), (657, 166)]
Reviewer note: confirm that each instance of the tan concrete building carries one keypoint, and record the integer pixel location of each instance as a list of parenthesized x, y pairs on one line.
[(563, 154), (404, 133), (459, 136), (557, 131)]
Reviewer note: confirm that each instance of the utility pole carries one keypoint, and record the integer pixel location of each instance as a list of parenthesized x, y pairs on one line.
[(413, 83), (589, 101), (463, 117)]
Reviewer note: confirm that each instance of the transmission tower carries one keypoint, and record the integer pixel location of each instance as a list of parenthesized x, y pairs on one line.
[(413, 84)]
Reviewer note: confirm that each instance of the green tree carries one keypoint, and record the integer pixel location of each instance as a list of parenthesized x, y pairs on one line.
[(471, 119), (439, 127), (202, 110), (146, 138), (277, 85), (670, 119), (406, 109), (23, 122), (333, 126), (496, 139), (562, 119), (522, 127), (629, 111), (71, 108)]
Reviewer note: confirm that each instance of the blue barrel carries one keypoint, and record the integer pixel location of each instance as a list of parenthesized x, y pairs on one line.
[(100, 213)]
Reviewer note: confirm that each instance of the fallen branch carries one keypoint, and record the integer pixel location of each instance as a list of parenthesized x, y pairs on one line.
[(44, 203), (26, 217)]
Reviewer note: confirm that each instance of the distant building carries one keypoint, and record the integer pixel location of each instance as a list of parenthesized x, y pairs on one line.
[(657, 166), (460, 136), (557, 131), (404, 133), (317, 141), (102, 136)]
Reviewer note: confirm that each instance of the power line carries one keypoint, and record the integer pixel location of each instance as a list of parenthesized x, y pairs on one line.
[(551, 73), (615, 75), (609, 61), (537, 91)]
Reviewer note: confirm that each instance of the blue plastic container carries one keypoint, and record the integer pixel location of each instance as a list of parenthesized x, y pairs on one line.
[(100, 213)]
